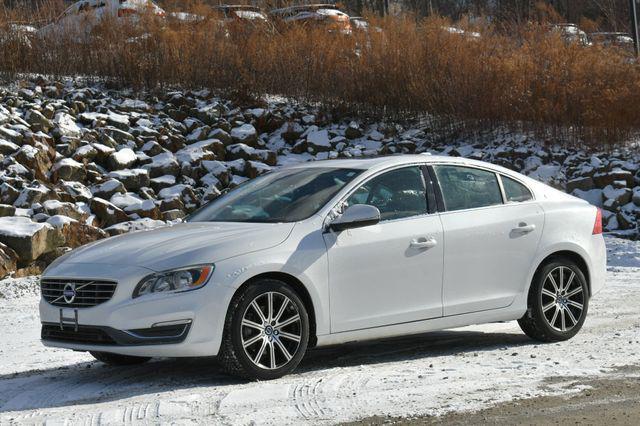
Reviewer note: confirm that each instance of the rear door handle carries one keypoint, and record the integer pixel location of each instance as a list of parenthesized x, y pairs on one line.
[(424, 243), (523, 228)]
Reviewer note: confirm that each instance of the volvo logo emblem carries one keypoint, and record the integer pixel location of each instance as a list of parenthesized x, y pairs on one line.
[(69, 293)]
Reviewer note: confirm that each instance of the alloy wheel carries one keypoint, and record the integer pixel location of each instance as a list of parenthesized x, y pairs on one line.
[(563, 299), (271, 330)]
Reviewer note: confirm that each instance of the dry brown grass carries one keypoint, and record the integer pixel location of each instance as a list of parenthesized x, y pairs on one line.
[(528, 78)]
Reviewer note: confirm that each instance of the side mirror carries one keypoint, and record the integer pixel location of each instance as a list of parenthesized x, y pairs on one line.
[(357, 216)]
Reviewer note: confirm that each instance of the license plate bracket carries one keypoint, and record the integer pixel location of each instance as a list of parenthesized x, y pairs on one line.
[(69, 321)]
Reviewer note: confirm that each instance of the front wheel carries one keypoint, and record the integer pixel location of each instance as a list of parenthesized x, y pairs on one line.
[(558, 302), (266, 331)]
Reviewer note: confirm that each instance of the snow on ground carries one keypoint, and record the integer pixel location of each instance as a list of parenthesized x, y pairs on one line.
[(462, 369)]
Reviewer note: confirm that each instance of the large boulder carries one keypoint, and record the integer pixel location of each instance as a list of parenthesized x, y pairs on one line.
[(7, 210), (36, 193), (34, 159), (182, 192), (8, 261), (122, 159), (613, 197), (582, 183), (200, 151), (603, 179), (8, 148), (107, 188), (163, 164), (221, 135), (8, 194), (68, 169), (107, 213), (246, 134), (256, 168), (292, 131), (319, 140), (38, 121), (55, 207), (28, 239), (66, 125), (73, 191), (146, 208), (132, 179), (76, 233)]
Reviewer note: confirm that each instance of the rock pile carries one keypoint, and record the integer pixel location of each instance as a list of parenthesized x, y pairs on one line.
[(79, 163)]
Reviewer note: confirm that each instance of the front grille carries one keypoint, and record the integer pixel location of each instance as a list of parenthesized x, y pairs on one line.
[(79, 293), (85, 334)]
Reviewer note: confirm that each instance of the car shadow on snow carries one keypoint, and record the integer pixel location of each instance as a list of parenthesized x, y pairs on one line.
[(92, 382), (439, 343)]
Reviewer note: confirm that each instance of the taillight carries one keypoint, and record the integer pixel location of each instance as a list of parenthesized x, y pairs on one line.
[(597, 227)]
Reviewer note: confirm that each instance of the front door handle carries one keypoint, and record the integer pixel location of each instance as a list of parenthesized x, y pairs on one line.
[(523, 228), (424, 243)]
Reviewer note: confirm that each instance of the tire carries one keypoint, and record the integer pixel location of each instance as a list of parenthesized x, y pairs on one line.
[(556, 312), (118, 360), (257, 351)]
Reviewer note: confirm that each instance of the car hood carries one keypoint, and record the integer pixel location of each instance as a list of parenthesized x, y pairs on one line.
[(181, 245)]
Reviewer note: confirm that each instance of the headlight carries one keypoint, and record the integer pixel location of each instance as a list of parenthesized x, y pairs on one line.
[(175, 281)]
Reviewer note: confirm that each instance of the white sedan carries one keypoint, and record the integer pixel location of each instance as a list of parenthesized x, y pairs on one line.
[(332, 252)]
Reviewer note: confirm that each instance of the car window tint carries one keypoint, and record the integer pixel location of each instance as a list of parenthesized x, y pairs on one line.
[(397, 194), (468, 188), (515, 191)]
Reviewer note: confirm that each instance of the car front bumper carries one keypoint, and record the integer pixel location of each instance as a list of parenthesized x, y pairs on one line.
[(171, 325)]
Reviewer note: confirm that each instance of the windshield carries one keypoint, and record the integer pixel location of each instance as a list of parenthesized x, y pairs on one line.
[(283, 196)]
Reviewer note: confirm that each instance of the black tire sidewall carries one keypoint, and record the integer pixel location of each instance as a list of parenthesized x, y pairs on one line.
[(537, 302), (249, 294)]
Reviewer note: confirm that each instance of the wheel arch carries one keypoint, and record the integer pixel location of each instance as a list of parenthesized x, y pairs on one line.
[(572, 255), (298, 287)]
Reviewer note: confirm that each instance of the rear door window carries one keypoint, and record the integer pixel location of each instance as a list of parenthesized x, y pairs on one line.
[(468, 188)]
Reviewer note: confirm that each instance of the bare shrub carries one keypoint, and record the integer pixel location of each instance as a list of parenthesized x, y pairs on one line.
[(526, 77)]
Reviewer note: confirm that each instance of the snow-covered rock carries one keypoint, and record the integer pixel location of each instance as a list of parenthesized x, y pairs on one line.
[(122, 159), (107, 188), (66, 125), (28, 239), (246, 134), (68, 169), (132, 179)]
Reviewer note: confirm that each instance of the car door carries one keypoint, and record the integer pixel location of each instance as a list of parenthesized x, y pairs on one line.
[(490, 237), (391, 272)]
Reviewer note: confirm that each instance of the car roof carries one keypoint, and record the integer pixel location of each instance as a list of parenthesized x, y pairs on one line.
[(393, 160)]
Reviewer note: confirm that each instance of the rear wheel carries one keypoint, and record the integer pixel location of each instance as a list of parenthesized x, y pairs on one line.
[(266, 332), (558, 302), (116, 359)]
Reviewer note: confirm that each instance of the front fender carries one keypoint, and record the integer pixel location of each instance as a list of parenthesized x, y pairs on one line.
[(306, 262)]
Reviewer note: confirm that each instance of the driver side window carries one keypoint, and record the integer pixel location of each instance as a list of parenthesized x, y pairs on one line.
[(397, 194)]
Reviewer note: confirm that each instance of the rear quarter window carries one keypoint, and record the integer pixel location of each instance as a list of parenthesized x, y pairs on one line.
[(514, 191)]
